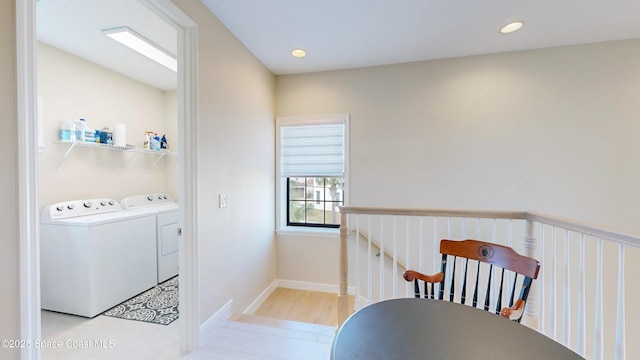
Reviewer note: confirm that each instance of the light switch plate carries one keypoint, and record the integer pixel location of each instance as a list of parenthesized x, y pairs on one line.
[(223, 200)]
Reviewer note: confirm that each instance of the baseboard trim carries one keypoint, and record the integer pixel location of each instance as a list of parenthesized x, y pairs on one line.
[(304, 285), (261, 298), (215, 321)]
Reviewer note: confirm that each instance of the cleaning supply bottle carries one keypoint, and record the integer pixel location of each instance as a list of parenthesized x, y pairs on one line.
[(106, 136), (72, 131), (65, 130), (80, 130), (163, 142), (89, 132), (156, 142), (146, 140)]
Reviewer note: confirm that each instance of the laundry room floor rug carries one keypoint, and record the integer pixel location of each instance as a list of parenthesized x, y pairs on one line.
[(158, 305)]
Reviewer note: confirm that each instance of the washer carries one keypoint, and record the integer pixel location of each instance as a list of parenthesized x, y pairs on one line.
[(166, 212), (94, 255)]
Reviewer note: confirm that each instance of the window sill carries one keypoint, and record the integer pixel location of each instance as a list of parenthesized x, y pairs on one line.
[(307, 231)]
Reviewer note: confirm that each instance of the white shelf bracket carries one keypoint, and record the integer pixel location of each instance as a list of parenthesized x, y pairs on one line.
[(66, 154), (161, 155)]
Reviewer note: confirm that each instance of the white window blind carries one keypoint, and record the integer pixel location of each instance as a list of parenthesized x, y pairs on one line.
[(312, 150)]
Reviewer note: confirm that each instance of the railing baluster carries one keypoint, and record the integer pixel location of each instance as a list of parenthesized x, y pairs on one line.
[(369, 263), (357, 251), (598, 338), (566, 310), (541, 281), (464, 230), (420, 246), (531, 250), (436, 246), (463, 295), (452, 284), (394, 266), (582, 313), (494, 283), (620, 353), (510, 244), (553, 303), (382, 257), (488, 293), (407, 247)]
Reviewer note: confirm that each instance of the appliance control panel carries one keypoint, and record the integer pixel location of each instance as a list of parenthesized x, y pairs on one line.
[(74, 208), (141, 201)]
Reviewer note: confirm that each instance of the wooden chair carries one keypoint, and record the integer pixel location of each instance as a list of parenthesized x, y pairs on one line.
[(479, 252)]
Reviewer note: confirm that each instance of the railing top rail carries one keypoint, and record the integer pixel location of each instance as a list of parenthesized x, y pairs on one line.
[(625, 237), (489, 214)]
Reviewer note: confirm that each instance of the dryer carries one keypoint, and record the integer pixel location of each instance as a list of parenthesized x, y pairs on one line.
[(166, 229), (94, 256)]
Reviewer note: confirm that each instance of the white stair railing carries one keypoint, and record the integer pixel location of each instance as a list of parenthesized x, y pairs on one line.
[(582, 273)]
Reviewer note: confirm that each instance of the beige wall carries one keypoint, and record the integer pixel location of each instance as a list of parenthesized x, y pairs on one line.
[(72, 88), (236, 157), (9, 241), (549, 130), (171, 174)]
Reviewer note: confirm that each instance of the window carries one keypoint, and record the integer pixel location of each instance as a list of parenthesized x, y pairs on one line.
[(312, 168), (323, 210)]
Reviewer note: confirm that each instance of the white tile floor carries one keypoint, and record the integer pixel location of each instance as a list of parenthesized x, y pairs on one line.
[(109, 338)]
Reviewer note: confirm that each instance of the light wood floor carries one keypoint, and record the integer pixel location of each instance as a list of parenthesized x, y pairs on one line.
[(302, 305)]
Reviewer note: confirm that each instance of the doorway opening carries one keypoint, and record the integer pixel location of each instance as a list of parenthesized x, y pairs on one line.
[(30, 205)]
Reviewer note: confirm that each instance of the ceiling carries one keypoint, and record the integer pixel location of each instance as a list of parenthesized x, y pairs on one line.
[(339, 34), (75, 26)]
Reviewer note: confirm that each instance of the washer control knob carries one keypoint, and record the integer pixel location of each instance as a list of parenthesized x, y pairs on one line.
[(87, 204), (103, 203), (59, 207), (111, 202), (165, 197), (160, 197), (150, 197), (70, 206)]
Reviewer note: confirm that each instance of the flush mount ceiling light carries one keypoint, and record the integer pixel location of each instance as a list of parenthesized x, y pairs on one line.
[(299, 53), (137, 42), (511, 27)]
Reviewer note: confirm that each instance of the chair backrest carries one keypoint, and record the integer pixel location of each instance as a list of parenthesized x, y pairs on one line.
[(474, 253)]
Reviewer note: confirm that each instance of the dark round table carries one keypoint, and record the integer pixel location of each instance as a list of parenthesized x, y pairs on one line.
[(433, 329)]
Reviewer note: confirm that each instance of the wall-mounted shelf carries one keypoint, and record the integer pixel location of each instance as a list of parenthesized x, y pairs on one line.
[(72, 144)]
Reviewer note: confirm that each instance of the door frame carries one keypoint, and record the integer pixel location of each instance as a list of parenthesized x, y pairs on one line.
[(28, 207)]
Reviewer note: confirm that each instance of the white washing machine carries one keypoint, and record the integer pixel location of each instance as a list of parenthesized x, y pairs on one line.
[(166, 229), (94, 256)]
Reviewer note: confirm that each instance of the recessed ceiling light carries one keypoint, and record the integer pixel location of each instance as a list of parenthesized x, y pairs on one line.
[(511, 27), (299, 53)]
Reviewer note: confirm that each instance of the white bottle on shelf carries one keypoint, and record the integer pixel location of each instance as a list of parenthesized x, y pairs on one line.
[(89, 132), (80, 130)]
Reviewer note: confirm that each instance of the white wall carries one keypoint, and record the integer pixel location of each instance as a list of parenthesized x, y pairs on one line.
[(235, 157), (72, 88), (300, 257), (171, 174), (9, 241), (549, 130)]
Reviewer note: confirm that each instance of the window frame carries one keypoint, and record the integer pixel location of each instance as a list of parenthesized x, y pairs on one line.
[(281, 183)]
